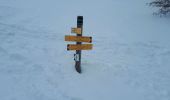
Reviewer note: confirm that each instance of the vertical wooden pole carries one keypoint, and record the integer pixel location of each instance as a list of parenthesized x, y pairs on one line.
[(78, 52)]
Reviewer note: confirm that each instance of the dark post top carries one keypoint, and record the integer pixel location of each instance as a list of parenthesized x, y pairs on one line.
[(79, 21)]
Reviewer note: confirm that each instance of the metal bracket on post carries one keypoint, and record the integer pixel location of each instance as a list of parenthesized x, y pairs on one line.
[(76, 57)]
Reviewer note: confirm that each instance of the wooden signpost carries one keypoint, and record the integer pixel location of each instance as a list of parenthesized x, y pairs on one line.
[(78, 39)]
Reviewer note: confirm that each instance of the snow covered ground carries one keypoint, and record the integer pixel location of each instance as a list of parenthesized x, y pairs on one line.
[(130, 59)]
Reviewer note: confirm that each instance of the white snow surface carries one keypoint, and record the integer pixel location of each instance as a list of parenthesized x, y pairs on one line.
[(130, 59)]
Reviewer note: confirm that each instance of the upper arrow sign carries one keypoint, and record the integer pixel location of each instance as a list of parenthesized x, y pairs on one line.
[(76, 30), (78, 38)]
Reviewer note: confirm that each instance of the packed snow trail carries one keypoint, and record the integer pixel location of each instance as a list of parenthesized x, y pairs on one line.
[(130, 59)]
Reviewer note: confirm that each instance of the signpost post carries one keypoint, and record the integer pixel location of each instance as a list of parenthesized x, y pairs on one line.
[(78, 39), (78, 52)]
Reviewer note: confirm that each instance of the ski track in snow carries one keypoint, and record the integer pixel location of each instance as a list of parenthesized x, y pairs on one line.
[(140, 66)]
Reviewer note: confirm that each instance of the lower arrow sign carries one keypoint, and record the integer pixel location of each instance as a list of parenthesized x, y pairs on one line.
[(79, 46)]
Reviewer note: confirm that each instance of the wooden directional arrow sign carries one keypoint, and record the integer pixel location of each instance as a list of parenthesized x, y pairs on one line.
[(79, 46), (76, 30), (78, 38)]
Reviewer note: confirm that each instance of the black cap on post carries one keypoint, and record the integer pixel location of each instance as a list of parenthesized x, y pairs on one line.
[(79, 21)]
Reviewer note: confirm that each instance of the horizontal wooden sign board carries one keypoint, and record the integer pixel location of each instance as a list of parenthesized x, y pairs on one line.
[(79, 46), (78, 38), (76, 30)]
